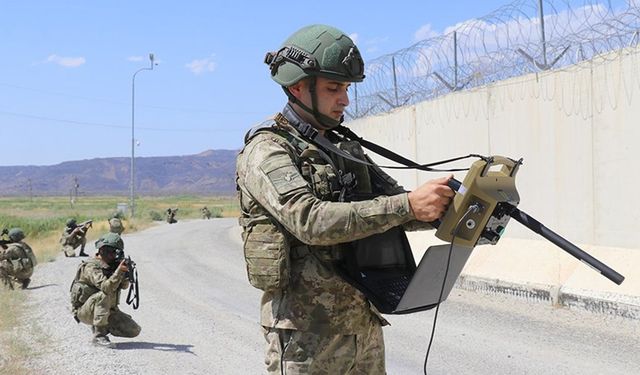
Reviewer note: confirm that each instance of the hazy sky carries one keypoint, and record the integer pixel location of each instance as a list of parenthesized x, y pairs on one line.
[(66, 68)]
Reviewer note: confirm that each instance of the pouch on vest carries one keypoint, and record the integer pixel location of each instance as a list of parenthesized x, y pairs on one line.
[(362, 188), (17, 265), (80, 292), (31, 256), (266, 253)]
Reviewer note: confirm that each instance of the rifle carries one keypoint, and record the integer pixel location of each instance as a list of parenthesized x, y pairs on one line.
[(133, 296), (4, 241), (86, 225)]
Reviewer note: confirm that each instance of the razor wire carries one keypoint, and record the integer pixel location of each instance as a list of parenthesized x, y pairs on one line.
[(525, 36)]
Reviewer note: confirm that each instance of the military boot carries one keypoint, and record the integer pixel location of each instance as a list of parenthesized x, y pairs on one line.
[(100, 337), (82, 253), (25, 283)]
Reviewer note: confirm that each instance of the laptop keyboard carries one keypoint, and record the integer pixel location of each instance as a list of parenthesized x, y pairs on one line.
[(391, 289)]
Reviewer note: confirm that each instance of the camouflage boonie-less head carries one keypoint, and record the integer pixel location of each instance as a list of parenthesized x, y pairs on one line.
[(110, 239), (16, 234)]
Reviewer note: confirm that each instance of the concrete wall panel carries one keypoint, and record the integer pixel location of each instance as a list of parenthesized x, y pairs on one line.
[(577, 130)]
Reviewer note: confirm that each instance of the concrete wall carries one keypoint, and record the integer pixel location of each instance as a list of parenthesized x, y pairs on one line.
[(577, 130)]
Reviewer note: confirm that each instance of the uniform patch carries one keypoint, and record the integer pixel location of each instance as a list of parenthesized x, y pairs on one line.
[(283, 175)]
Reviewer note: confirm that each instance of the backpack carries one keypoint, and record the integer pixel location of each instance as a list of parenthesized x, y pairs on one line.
[(79, 291)]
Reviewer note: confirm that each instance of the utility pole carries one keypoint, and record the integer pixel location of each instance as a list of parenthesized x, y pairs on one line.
[(76, 185), (133, 140), (30, 187)]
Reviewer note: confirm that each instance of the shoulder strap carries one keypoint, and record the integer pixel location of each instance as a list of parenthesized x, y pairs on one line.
[(279, 126)]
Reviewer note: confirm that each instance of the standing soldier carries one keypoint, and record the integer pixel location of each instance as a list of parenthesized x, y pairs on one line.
[(17, 261), (298, 216), (75, 235), (95, 293), (206, 214)]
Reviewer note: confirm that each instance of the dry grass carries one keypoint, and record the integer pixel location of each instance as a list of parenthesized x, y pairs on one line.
[(12, 349)]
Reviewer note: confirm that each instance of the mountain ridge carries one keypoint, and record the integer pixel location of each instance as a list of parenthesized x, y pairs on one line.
[(211, 172)]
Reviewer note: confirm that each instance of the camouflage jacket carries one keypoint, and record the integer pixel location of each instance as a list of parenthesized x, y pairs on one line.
[(93, 273), (70, 239), (272, 184), (115, 225), (20, 257)]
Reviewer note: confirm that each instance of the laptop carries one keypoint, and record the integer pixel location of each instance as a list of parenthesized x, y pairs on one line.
[(386, 272)]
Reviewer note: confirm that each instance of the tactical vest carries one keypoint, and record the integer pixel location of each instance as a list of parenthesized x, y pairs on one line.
[(79, 291), (26, 261), (267, 245)]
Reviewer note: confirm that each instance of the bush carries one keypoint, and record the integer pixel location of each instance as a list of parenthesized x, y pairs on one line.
[(216, 212), (156, 216)]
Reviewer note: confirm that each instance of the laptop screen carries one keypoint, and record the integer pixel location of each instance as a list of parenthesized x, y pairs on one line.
[(388, 250)]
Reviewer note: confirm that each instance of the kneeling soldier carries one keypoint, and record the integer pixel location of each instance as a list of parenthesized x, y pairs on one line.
[(95, 293), (17, 261)]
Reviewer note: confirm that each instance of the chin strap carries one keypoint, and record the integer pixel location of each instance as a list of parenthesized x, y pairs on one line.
[(324, 122)]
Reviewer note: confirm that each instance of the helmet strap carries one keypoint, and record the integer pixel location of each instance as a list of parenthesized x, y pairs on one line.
[(324, 122)]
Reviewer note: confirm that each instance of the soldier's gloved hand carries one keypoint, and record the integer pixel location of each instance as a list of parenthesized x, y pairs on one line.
[(430, 200), (123, 267)]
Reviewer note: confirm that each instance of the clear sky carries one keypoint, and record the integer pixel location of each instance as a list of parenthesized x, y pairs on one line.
[(66, 68)]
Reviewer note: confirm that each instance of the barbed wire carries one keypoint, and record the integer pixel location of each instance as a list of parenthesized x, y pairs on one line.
[(512, 41)]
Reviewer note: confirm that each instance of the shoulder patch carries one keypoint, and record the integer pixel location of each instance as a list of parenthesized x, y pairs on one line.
[(283, 174)]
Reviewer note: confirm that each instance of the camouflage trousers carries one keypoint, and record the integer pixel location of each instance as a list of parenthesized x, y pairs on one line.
[(310, 353), (97, 312), (5, 276), (8, 275), (70, 249)]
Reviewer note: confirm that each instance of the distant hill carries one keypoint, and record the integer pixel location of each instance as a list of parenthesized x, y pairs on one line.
[(211, 172)]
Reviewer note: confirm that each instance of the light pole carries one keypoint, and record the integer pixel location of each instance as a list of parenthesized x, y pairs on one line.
[(133, 140)]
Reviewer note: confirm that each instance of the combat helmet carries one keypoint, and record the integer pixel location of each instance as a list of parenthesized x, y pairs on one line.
[(71, 223), (316, 51), (16, 234), (110, 239)]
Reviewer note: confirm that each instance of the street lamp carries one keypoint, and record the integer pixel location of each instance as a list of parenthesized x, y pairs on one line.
[(133, 141)]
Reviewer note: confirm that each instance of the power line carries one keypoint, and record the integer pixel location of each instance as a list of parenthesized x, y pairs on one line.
[(178, 109), (97, 124)]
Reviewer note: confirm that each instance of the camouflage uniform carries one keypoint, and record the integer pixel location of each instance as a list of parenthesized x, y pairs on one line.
[(16, 264), (171, 215), (206, 214), (115, 225), (101, 309), (70, 242), (318, 314)]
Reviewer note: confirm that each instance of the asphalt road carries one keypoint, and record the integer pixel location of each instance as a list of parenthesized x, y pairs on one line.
[(199, 315)]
